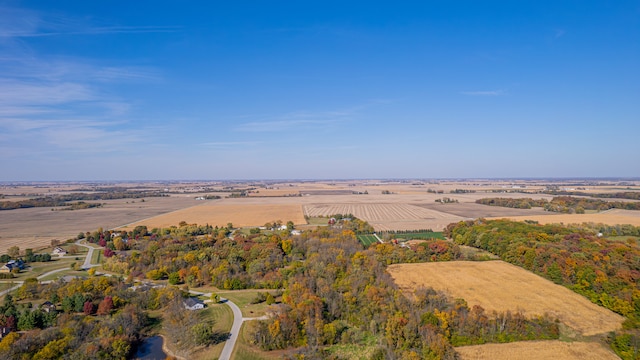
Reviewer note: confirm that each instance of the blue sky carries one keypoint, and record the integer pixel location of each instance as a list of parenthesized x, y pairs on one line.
[(299, 89)]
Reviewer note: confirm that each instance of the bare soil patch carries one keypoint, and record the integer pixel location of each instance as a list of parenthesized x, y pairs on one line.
[(499, 286), (537, 350), (221, 213)]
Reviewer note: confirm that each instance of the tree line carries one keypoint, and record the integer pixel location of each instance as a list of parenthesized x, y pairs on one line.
[(632, 195), (63, 200), (563, 204), (607, 272)]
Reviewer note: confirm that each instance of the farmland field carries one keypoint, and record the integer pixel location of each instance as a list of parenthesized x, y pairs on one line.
[(387, 216), (221, 213), (367, 240), (499, 286), (36, 227), (537, 350), (410, 206), (630, 217), (473, 210)]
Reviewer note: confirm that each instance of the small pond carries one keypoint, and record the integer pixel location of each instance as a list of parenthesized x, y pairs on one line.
[(151, 349)]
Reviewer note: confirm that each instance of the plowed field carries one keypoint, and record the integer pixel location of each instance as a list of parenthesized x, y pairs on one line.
[(222, 213)]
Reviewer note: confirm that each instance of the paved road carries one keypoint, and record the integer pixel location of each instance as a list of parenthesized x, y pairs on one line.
[(227, 350), (235, 330), (87, 261), (19, 283), (86, 265)]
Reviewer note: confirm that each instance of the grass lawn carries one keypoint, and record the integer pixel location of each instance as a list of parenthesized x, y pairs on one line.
[(81, 274), (95, 246), (317, 220), (223, 317), (6, 285), (243, 299), (474, 254), (96, 257), (38, 268), (419, 235), (245, 351)]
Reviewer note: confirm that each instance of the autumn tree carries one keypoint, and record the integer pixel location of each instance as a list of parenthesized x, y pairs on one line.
[(105, 306)]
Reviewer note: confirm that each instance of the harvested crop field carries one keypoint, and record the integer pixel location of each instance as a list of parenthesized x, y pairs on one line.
[(499, 286), (537, 350), (473, 210), (36, 227), (387, 216), (222, 213), (609, 218)]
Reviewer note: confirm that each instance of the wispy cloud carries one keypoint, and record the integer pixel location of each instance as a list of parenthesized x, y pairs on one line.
[(230, 144), (299, 120), (483, 93), (61, 104), (25, 23)]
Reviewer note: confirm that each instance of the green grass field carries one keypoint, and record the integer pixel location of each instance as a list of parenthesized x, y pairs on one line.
[(315, 220), (367, 240), (419, 236)]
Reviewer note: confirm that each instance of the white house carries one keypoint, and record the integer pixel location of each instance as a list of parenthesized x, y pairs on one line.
[(193, 304), (59, 251)]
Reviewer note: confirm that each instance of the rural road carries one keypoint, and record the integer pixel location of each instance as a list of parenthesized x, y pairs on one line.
[(86, 265), (87, 261), (235, 328), (19, 283)]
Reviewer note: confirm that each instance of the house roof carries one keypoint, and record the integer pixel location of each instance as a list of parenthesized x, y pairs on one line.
[(191, 302)]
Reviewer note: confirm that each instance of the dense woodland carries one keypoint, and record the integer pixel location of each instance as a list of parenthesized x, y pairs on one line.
[(333, 292), (632, 195), (563, 204), (605, 271)]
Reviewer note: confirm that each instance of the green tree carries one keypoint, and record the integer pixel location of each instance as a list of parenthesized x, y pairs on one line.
[(13, 251), (203, 333), (215, 298), (174, 278)]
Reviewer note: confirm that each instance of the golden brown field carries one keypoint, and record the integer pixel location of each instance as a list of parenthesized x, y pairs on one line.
[(537, 350), (222, 213), (609, 218), (499, 286)]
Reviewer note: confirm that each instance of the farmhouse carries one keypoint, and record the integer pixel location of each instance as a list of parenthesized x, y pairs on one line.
[(4, 331), (12, 265), (193, 304), (59, 251), (48, 307)]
